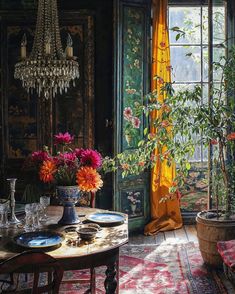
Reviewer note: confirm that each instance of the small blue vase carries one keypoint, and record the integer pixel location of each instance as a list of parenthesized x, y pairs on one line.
[(69, 196)]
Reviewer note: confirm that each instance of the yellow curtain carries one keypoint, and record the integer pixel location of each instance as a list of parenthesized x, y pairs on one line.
[(165, 215)]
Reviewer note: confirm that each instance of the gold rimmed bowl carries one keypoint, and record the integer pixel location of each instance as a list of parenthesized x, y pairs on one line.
[(87, 233)]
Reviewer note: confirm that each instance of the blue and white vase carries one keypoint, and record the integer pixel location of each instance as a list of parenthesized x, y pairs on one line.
[(69, 196)]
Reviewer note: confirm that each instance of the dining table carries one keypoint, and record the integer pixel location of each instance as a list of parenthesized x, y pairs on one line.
[(102, 251)]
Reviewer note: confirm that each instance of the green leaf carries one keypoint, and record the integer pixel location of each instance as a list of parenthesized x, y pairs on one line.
[(189, 54), (188, 166), (177, 37)]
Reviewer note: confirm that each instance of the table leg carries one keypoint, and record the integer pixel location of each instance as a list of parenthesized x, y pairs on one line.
[(110, 282)]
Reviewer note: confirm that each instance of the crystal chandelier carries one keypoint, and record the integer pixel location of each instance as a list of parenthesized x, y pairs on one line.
[(48, 69)]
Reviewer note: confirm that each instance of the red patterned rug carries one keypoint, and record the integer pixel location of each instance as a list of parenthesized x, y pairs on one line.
[(156, 269)]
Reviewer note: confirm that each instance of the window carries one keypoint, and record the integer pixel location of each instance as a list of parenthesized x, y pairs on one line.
[(189, 60)]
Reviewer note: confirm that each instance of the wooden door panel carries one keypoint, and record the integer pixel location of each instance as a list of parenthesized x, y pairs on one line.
[(131, 80)]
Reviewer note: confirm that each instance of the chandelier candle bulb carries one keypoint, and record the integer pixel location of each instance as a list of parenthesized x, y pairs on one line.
[(23, 47), (69, 48), (69, 52)]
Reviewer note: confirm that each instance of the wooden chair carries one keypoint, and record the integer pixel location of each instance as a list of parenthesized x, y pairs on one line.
[(31, 262)]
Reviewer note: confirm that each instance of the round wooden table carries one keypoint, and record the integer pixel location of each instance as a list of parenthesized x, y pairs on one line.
[(103, 251)]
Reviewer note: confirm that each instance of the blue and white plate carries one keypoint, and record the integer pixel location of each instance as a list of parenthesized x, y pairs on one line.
[(106, 218), (39, 239)]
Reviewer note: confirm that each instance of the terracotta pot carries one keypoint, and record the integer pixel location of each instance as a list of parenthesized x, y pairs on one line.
[(209, 232)]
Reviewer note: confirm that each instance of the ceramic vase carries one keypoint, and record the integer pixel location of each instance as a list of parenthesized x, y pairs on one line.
[(128, 139), (69, 196), (133, 208)]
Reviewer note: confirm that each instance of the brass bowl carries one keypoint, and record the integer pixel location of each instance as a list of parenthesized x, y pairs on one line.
[(87, 233)]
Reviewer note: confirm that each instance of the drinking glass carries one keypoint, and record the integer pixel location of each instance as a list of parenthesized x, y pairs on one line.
[(44, 201), (29, 217), (4, 208), (37, 210)]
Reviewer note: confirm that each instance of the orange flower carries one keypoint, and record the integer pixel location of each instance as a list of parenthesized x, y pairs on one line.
[(214, 142), (231, 136), (141, 163), (160, 81), (166, 108), (168, 68), (165, 123), (174, 184), (88, 179), (166, 154), (47, 171), (125, 166)]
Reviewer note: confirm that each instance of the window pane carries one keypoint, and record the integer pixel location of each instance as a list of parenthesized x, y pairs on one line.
[(188, 20), (186, 63), (217, 54), (205, 25), (219, 26)]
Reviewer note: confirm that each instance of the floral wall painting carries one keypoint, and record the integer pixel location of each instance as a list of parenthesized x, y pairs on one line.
[(132, 203), (132, 124)]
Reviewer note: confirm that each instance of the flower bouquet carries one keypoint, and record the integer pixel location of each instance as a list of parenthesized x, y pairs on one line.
[(71, 171)]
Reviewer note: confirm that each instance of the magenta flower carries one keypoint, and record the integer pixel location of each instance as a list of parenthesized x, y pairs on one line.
[(40, 156), (68, 158), (91, 158), (135, 122), (79, 152), (63, 139), (127, 113)]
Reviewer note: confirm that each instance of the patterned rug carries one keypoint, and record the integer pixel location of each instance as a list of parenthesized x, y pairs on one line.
[(156, 269)]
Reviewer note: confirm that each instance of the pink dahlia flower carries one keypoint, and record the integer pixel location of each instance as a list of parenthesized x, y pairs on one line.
[(91, 158), (79, 152), (136, 122), (63, 139), (69, 158), (40, 156), (127, 113)]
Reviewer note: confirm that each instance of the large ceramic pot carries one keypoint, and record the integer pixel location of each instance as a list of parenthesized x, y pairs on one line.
[(209, 232), (69, 196)]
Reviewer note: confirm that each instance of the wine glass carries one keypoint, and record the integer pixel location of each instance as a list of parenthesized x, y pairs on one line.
[(44, 201)]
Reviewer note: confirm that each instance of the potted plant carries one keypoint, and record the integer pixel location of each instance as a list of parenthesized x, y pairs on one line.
[(182, 122), (217, 125), (71, 170)]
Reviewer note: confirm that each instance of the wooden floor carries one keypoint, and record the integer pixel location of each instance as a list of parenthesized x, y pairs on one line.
[(185, 234)]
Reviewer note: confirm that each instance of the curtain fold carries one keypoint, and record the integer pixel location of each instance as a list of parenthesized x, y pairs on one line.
[(165, 215)]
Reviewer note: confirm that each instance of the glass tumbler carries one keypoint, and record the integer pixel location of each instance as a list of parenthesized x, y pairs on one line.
[(37, 210), (44, 201), (28, 217), (4, 208)]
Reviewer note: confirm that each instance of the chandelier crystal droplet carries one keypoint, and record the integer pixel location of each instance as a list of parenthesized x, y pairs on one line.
[(47, 70)]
